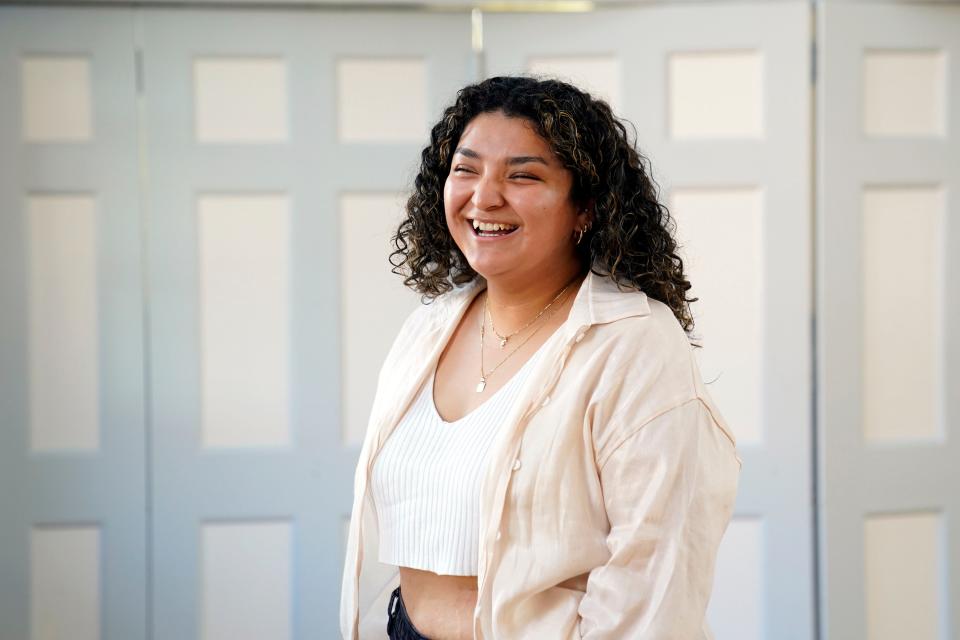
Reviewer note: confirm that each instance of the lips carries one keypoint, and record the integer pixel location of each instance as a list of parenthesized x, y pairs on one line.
[(479, 233), (491, 229)]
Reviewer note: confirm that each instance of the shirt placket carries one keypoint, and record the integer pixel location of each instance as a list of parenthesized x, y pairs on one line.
[(504, 473)]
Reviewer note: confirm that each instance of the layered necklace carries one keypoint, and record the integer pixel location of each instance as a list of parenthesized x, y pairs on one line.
[(503, 339)]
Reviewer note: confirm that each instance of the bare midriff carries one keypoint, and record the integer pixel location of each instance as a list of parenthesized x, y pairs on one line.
[(440, 607)]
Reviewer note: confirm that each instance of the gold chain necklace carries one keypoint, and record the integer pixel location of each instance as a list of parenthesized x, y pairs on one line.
[(503, 339), (483, 376)]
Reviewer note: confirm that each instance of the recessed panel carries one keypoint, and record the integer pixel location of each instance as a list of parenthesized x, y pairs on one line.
[(904, 92), (374, 302), (716, 94), (65, 581), (737, 602), (244, 265), (246, 575), (902, 271), (240, 100), (56, 98), (902, 559), (598, 75), (63, 338), (721, 237), (382, 100)]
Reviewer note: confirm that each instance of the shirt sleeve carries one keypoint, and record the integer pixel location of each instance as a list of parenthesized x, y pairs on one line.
[(669, 487)]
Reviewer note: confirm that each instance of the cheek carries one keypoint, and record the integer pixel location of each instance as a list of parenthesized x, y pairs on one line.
[(454, 196), (452, 204), (552, 218), (449, 208)]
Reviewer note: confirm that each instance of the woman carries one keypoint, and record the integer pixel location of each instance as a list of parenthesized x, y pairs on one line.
[(542, 458)]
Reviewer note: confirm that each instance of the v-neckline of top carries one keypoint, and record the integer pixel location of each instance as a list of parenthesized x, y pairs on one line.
[(485, 403)]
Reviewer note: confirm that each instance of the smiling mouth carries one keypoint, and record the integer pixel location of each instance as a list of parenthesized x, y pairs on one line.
[(490, 233)]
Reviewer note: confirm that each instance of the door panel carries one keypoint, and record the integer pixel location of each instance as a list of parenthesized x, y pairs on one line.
[(73, 476), (719, 96), (889, 299), (279, 146)]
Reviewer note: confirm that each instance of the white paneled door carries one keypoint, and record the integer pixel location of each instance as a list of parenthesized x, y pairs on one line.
[(279, 146), (72, 406), (719, 97), (889, 299)]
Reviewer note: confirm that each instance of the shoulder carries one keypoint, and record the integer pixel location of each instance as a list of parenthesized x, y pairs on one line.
[(619, 309), (417, 321), (421, 314), (427, 320), (651, 344), (436, 311), (640, 366), (659, 321), (652, 365)]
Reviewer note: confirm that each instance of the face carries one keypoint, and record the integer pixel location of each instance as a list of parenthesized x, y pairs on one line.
[(503, 172)]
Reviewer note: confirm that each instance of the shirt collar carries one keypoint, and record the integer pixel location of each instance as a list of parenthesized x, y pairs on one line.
[(601, 300), (598, 301)]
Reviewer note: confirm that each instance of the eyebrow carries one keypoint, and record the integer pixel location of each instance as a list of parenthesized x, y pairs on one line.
[(470, 153)]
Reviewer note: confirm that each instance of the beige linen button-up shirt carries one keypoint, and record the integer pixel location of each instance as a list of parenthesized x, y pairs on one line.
[(609, 487)]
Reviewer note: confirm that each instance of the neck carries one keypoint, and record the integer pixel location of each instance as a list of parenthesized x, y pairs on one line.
[(515, 301)]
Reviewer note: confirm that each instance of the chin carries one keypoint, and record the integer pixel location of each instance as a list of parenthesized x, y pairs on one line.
[(489, 268)]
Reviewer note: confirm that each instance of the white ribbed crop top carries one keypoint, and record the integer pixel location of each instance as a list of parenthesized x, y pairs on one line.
[(426, 481)]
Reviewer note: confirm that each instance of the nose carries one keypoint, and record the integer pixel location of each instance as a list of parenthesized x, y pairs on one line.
[(487, 194)]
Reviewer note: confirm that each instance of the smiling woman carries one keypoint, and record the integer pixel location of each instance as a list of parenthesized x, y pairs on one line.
[(504, 175), (542, 459)]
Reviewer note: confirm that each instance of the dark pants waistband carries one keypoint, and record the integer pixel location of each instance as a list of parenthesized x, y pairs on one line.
[(399, 626)]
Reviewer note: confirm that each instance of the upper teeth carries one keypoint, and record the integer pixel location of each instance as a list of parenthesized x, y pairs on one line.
[(490, 226)]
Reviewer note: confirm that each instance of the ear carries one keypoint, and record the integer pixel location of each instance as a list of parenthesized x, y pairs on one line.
[(586, 214)]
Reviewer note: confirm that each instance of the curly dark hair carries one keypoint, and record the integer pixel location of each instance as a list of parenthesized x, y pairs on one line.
[(631, 238)]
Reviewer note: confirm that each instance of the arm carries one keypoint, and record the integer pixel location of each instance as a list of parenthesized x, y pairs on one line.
[(669, 486)]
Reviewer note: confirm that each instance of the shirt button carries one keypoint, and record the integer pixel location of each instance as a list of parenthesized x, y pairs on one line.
[(498, 534), (545, 401), (516, 464), (579, 337)]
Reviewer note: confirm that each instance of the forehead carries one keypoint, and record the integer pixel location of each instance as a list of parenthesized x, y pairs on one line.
[(500, 135)]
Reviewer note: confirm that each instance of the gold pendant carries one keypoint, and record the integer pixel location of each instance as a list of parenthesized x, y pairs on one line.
[(481, 385), (503, 342)]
